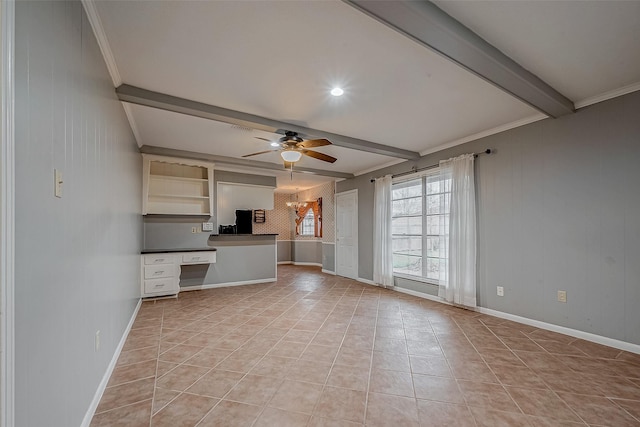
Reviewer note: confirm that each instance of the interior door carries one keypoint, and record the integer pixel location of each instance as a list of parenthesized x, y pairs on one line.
[(347, 234)]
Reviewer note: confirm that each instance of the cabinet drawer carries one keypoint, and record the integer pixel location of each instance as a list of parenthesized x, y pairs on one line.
[(158, 259), (158, 271), (159, 286), (199, 258)]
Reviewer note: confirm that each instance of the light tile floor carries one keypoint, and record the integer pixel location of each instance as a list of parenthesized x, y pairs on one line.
[(321, 351)]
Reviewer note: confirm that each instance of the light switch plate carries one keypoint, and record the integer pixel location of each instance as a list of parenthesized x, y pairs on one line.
[(207, 226), (57, 182)]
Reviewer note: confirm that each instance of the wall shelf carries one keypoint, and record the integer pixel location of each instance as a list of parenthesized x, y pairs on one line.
[(174, 186), (177, 196), (177, 178)]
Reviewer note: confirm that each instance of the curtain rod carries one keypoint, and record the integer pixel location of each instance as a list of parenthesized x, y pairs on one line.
[(414, 170)]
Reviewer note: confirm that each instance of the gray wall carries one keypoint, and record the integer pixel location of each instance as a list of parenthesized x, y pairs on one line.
[(306, 251), (240, 259), (329, 256), (558, 209), (284, 250), (77, 258)]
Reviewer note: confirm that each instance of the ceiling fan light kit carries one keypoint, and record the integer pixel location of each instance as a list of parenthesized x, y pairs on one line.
[(293, 147), (291, 156)]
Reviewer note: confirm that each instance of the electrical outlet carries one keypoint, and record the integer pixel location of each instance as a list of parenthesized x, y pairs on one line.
[(207, 226), (562, 296), (194, 229), (97, 341), (500, 291)]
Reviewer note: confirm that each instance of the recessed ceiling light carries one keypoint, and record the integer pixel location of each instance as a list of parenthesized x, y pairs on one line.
[(337, 91), (275, 144)]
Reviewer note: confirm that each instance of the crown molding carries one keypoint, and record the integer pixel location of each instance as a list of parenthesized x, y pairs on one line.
[(98, 30), (485, 133), (608, 95)]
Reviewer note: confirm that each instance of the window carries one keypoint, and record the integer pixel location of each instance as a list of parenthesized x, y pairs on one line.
[(307, 224), (420, 226)]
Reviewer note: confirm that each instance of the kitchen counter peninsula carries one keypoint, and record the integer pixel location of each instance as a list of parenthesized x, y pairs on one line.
[(242, 259)]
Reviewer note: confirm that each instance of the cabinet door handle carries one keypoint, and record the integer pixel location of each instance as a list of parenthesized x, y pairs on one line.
[(159, 272), (159, 285), (159, 259)]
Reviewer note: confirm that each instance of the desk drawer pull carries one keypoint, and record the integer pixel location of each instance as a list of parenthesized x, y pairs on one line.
[(155, 272), (157, 259), (160, 286), (201, 258)]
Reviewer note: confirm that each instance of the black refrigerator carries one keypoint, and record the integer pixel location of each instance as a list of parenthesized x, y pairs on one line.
[(243, 222)]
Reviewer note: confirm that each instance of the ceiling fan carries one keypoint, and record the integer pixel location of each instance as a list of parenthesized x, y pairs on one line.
[(292, 148)]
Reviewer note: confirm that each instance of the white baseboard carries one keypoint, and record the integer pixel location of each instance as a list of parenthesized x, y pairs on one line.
[(329, 272), (421, 295), (228, 284), (107, 375), (598, 339), (315, 264), (367, 281)]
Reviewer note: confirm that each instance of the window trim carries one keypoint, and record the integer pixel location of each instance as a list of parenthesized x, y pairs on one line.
[(312, 227), (422, 176)]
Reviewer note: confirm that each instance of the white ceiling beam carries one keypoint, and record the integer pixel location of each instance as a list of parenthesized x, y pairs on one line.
[(233, 161), (430, 26), (136, 95)]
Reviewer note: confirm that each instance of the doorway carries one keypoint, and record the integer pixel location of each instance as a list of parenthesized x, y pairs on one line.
[(347, 234)]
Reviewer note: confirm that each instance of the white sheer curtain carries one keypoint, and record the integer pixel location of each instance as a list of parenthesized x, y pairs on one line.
[(460, 285), (382, 243)]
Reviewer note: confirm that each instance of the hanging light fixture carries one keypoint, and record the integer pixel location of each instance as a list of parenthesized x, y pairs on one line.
[(291, 156), (297, 204)]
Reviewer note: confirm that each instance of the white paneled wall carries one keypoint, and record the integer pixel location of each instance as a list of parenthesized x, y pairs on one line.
[(77, 257)]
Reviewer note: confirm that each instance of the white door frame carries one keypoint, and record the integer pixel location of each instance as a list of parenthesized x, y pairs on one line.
[(355, 232), (7, 213)]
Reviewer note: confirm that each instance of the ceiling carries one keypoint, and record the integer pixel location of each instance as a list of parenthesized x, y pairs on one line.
[(278, 60)]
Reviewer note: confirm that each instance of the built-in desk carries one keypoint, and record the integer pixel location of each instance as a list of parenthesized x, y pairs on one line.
[(161, 268)]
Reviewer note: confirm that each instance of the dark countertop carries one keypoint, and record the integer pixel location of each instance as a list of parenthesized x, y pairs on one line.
[(245, 235), (167, 251)]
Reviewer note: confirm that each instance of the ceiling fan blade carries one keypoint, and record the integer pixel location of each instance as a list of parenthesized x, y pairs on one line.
[(314, 143), (319, 156), (264, 139), (259, 152)]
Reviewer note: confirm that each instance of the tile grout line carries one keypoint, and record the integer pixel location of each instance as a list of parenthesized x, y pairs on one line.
[(247, 373), (324, 386), (321, 298), (524, 363)]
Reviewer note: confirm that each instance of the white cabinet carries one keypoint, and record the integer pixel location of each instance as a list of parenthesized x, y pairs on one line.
[(199, 257), (159, 275), (160, 272), (176, 186)]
